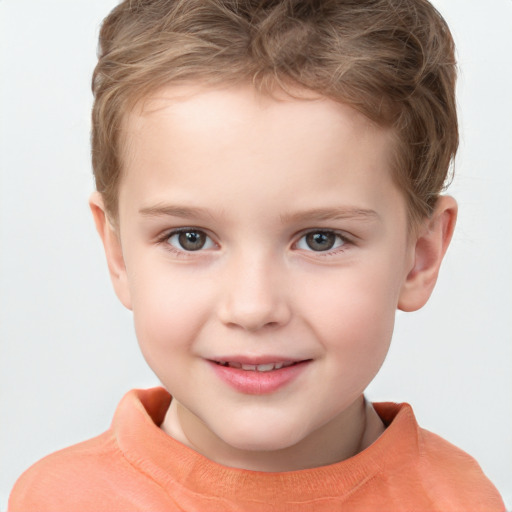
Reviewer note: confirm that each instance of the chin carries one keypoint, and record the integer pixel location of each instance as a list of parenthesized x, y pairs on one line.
[(256, 438)]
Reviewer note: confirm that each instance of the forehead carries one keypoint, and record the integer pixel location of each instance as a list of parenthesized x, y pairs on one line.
[(228, 139), (232, 112)]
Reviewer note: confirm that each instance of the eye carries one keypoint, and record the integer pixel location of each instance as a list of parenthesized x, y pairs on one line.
[(320, 241), (190, 240)]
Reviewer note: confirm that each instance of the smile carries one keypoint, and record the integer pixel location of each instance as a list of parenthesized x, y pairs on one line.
[(258, 378), (268, 367)]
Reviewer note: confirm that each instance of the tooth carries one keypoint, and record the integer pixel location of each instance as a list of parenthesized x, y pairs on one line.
[(257, 367), (265, 367)]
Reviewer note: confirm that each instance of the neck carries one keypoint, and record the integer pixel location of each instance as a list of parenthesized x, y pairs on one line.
[(343, 437)]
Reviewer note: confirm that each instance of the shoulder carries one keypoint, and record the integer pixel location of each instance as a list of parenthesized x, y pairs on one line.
[(452, 473), (107, 473), (443, 475), (82, 477), (68, 473)]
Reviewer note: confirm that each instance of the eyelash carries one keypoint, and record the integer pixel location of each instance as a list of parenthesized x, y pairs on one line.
[(164, 241), (346, 242)]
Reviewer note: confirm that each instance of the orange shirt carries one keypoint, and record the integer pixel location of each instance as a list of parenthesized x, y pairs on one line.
[(135, 466)]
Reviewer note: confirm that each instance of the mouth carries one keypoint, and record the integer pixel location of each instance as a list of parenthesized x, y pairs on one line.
[(258, 376), (266, 367)]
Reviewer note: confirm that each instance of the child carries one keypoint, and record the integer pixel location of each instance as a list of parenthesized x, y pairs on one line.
[(269, 179)]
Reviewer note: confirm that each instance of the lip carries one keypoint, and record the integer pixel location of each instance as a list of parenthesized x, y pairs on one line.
[(256, 359), (253, 382)]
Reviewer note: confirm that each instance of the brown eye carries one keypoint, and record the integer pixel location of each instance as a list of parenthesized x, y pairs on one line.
[(190, 240), (320, 241)]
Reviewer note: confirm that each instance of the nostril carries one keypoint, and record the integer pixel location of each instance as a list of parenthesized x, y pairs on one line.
[(251, 312)]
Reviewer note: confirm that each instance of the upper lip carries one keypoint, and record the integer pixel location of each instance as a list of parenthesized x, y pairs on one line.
[(256, 360)]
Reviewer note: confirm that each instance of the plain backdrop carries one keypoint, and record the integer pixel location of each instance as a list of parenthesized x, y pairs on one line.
[(68, 352)]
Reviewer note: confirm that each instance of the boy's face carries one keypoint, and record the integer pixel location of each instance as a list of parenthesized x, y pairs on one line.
[(257, 231)]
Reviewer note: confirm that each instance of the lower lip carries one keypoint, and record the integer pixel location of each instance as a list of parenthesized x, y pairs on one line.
[(258, 383)]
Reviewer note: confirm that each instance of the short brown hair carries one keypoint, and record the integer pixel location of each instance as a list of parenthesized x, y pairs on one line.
[(393, 60)]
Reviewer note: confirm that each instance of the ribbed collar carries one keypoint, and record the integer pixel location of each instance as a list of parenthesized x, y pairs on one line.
[(173, 465)]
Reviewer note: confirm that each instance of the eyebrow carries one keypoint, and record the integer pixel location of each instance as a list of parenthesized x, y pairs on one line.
[(185, 212), (316, 214), (336, 213)]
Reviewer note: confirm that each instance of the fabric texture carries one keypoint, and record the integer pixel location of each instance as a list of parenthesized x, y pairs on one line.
[(135, 466)]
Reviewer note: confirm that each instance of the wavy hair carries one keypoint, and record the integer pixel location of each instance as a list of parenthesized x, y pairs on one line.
[(392, 60)]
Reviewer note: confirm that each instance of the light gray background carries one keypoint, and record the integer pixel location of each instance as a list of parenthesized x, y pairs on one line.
[(68, 352)]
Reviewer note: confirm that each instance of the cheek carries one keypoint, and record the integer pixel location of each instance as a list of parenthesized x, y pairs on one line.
[(358, 331), (167, 311), (355, 315), (356, 335)]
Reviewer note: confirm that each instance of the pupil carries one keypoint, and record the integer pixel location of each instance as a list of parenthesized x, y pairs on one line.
[(320, 241), (192, 240)]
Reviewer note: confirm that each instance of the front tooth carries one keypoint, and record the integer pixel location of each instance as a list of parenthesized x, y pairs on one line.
[(278, 366), (249, 367), (266, 367)]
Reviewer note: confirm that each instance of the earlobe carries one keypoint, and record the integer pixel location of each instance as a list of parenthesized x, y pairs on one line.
[(113, 250), (431, 244)]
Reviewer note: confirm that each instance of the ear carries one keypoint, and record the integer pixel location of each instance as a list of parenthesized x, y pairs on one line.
[(431, 242), (112, 244)]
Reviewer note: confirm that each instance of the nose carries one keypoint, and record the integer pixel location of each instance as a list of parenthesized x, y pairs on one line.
[(254, 295)]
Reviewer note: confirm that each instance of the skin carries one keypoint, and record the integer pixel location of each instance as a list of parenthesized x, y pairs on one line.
[(255, 174)]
